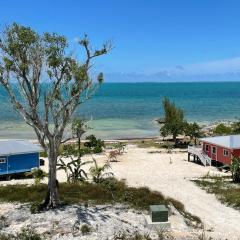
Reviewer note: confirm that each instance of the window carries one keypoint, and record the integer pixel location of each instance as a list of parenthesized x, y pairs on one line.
[(2, 160), (207, 148), (213, 150), (225, 152)]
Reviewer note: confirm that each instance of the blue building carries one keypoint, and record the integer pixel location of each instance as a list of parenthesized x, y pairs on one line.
[(18, 156)]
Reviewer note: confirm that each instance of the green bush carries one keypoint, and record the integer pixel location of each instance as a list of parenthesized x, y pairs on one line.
[(35, 208), (135, 236), (38, 175), (25, 234), (85, 229), (97, 149), (120, 147), (235, 169), (3, 222), (85, 150), (108, 191), (236, 127), (222, 129), (43, 154), (93, 143), (226, 191)]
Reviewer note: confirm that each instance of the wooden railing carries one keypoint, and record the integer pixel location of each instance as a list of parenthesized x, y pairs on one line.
[(203, 157)]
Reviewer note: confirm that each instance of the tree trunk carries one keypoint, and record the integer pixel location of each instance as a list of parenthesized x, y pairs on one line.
[(52, 198), (175, 139), (79, 147)]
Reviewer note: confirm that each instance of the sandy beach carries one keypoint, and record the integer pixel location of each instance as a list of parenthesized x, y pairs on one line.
[(171, 175)]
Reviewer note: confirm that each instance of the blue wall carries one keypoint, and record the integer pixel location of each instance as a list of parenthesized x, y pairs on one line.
[(19, 163)]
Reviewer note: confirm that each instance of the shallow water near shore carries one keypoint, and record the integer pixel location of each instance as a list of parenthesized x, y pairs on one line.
[(125, 110)]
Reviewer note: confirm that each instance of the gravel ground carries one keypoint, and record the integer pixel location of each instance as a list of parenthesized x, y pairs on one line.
[(105, 222)]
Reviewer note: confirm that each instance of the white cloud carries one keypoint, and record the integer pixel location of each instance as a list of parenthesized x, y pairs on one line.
[(214, 67)]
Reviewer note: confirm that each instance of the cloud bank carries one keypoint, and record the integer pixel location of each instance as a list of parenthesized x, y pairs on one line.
[(220, 70)]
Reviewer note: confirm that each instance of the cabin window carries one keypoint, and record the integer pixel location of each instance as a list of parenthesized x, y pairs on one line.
[(2, 160), (213, 150), (225, 152), (207, 148)]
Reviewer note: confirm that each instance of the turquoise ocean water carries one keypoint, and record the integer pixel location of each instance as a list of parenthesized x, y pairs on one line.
[(121, 110)]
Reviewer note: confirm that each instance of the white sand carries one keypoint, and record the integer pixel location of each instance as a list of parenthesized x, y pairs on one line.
[(141, 168)]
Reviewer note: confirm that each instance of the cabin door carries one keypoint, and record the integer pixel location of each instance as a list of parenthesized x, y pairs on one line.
[(3, 165), (214, 152)]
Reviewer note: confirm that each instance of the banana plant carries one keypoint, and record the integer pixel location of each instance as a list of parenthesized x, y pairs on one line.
[(74, 169), (99, 173)]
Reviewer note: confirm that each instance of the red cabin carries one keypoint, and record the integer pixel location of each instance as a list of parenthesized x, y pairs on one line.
[(221, 148)]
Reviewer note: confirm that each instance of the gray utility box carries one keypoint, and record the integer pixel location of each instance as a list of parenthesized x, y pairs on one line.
[(158, 213)]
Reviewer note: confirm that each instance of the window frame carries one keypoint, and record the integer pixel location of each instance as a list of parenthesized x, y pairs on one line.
[(3, 160), (215, 148), (224, 152), (206, 147)]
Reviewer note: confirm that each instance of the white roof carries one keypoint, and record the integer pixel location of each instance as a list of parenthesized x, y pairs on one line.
[(12, 147), (232, 141)]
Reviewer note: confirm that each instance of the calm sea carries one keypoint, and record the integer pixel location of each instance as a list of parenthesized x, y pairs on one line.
[(129, 109)]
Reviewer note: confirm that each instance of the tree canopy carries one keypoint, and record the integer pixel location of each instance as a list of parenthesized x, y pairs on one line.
[(222, 129), (28, 60), (174, 119), (193, 130)]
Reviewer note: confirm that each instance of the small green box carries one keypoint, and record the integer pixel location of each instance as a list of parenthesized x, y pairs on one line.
[(158, 213)]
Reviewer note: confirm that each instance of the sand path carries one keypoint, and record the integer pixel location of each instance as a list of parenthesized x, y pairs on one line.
[(141, 168)]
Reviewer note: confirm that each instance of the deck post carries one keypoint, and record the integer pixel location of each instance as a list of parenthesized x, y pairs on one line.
[(188, 157)]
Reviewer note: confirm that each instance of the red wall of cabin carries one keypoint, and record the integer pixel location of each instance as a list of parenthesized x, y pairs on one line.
[(236, 152), (219, 156)]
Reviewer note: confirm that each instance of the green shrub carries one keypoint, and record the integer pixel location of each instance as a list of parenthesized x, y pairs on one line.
[(85, 150), (85, 229), (134, 236), (236, 127), (97, 149), (6, 236), (222, 129), (35, 208), (38, 175), (43, 154), (93, 142), (235, 169), (28, 234), (108, 191), (25, 234), (120, 147), (226, 191), (3, 222)]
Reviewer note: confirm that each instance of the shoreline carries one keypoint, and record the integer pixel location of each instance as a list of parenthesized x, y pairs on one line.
[(14, 130)]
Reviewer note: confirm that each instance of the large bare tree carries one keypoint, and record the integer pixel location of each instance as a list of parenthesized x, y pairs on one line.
[(46, 84)]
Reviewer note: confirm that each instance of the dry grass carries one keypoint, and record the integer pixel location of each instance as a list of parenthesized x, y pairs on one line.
[(109, 192), (225, 190)]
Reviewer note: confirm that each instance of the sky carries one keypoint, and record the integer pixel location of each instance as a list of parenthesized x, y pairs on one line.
[(154, 40)]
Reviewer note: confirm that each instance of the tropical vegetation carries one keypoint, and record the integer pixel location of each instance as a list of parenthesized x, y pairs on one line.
[(235, 169), (29, 58), (174, 122), (222, 129)]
